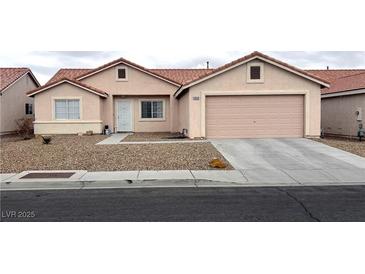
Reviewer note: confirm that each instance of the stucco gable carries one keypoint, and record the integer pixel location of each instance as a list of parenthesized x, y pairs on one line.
[(137, 83), (125, 62), (66, 81), (9, 76), (255, 56)]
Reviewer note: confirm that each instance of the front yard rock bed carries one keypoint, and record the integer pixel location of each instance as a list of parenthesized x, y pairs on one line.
[(154, 136), (350, 145), (82, 153)]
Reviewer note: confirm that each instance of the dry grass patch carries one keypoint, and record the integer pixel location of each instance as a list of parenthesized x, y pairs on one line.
[(350, 145), (80, 152)]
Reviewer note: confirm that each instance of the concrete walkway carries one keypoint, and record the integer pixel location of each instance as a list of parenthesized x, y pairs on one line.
[(114, 139), (163, 142)]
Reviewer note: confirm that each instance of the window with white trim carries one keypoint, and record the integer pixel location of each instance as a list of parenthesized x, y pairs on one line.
[(255, 73), (28, 109), (152, 109), (122, 73), (67, 109)]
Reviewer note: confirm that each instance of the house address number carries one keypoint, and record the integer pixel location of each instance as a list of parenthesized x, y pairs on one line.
[(196, 98)]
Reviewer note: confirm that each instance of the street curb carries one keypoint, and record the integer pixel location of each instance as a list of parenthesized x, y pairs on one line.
[(141, 185)]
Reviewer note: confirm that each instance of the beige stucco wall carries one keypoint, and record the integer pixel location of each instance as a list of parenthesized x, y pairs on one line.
[(12, 103), (338, 114), (184, 113), (54, 127), (138, 83), (140, 125), (276, 81), (90, 105)]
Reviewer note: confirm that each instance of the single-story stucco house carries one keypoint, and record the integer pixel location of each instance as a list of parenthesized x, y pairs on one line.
[(14, 102), (253, 96), (343, 103)]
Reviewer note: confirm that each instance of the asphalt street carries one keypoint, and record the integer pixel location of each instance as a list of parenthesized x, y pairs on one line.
[(319, 203)]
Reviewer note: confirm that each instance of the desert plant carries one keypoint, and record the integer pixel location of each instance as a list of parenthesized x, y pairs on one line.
[(217, 163), (46, 139), (25, 128)]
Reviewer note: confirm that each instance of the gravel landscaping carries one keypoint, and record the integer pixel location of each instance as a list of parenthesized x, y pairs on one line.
[(80, 152), (350, 145), (153, 136)]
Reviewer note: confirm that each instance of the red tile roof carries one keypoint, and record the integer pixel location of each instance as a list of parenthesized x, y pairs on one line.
[(60, 81), (68, 73), (10, 75), (347, 83), (333, 74), (178, 75), (182, 76)]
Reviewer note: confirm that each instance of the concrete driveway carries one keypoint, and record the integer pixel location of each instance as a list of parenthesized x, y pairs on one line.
[(289, 161)]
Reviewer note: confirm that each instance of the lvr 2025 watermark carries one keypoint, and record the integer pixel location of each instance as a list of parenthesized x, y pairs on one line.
[(8, 214)]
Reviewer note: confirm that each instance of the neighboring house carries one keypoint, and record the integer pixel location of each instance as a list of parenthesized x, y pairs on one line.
[(343, 104), (14, 102), (254, 96)]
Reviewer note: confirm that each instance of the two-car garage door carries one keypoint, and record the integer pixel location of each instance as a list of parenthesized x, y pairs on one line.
[(251, 116)]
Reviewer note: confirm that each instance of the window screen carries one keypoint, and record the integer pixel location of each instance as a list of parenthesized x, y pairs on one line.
[(28, 109), (67, 109), (152, 109), (255, 73), (121, 73)]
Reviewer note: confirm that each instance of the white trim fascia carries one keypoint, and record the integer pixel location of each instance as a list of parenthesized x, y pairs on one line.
[(244, 62), (69, 82), (25, 74), (140, 100), (69, 122), (129, 65), (35, 79), (343, 93), (305, 93)]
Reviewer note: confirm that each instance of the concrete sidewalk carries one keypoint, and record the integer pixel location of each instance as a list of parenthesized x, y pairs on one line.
[(187, 178), (114, 139)]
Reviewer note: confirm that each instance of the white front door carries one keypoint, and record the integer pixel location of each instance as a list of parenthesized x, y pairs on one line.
[(124, 115)]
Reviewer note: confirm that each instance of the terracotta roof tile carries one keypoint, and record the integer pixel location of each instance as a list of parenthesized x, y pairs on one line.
[(68, 73), (10, 75), (178, 75), (333, 74), (347, 83), (182, 76), (96, 90)]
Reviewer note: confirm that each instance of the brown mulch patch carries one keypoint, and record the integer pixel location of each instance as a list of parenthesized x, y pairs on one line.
[(351, 145), (81, 152), (153, 136)]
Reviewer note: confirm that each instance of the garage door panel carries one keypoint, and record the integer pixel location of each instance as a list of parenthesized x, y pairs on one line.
[(255, 116)]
